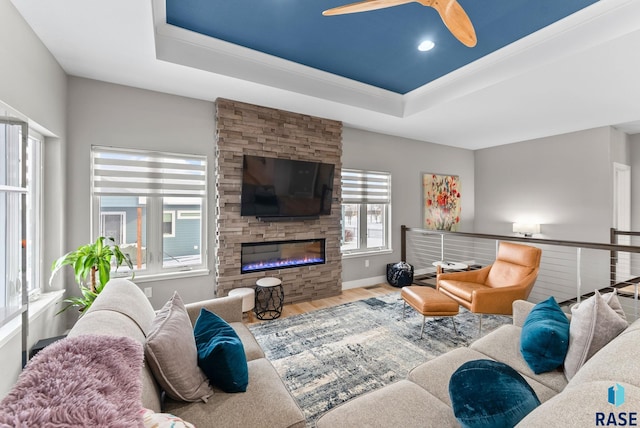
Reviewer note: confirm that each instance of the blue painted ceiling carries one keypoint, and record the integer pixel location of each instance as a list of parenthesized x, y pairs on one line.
[(378, 47)]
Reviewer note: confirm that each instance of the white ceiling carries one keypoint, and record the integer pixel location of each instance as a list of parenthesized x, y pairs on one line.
[(579, 73)]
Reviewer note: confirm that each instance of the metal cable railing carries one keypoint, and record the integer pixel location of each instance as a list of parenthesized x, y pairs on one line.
[(569, 270)]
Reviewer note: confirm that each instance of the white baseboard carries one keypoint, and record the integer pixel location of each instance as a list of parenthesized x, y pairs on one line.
[(365, 282)]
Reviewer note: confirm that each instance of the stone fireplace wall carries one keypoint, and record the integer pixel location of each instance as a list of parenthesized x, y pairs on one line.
[(254, 130)]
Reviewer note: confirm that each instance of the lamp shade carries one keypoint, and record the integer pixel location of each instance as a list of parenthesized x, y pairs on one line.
[(526, 228)]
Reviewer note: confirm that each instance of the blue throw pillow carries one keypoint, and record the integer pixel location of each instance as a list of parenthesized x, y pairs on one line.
[(544, 340), (220, 353), (490, 394)]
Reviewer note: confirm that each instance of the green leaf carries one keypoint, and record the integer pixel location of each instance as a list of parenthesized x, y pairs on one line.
[(104, 268), (97, 255)]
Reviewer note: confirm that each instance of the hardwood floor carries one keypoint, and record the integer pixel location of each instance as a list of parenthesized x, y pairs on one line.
[(347, 296)]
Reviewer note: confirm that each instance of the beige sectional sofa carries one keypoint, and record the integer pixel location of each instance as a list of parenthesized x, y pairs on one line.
[(422, 400), (123, 310)]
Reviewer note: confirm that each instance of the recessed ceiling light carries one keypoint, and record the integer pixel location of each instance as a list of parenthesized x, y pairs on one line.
[(426, 45)]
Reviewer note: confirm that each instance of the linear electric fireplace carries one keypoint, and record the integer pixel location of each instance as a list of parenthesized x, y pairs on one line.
[(259, 256)]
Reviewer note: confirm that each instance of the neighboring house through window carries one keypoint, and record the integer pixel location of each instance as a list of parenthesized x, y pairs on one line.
[(366, 202), (136, 195)]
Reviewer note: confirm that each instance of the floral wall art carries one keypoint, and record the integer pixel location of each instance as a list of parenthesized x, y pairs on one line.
[(441, 199)]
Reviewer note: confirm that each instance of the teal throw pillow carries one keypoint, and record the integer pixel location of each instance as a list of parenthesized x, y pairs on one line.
[(544, 340), (490, 394), (221, 353)]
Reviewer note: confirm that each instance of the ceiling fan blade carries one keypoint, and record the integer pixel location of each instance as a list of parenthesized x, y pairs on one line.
[(456, 20), (364, 6)]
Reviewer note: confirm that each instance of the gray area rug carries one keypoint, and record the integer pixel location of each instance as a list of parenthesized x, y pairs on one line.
[(332, 355)]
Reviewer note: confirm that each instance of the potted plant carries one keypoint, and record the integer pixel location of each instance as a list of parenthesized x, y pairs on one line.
[(92, 267)]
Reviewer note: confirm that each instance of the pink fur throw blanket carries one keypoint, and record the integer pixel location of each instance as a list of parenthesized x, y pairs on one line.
[(83, 381)]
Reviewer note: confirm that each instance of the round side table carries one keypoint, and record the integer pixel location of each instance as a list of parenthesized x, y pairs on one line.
[(248, 297), (441, 266), (269, 298)]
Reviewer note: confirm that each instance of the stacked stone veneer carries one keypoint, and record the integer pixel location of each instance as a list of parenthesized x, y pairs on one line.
[(249, 129)]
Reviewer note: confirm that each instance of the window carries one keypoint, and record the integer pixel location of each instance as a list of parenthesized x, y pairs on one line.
[(113, 225), (168, 224), (188, 215), (366, 201), (20, 206), (136, 195), (33, 233)]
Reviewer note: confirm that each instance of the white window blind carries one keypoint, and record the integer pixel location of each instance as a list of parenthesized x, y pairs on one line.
[(365, 187), (129, 172)]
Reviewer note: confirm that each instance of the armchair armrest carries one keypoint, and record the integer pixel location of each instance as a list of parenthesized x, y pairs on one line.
[(497, 300), (228, 308), (477, 276)]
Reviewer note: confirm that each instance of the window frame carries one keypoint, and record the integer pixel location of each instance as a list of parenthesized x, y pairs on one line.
[(123, 223), (35, 196), (187, 215), (171, 234), (363, 199), (154, 268), (13, 304)]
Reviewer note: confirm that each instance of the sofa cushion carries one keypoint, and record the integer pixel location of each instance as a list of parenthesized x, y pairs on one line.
[(545, 337), (266, 402), (503, 344), (252, 349), (111, 323), (220, 353), (434, 375), (172, 355), (594, 323), (402, 404), (487, 394), (583, 406)]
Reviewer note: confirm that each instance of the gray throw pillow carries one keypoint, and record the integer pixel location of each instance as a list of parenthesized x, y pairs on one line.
[(172, 354), (594, 323)]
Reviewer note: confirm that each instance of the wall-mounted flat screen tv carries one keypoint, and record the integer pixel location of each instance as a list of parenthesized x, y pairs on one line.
[(276, 187)]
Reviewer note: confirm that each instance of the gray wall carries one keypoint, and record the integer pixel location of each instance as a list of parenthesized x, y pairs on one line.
[(634, 161), (406, 160), (106, 114), (33, 84), (562, 182), (112, 115), (565, 183)]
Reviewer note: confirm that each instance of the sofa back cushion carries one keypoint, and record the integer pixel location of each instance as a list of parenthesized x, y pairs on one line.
[(122, 309), (123, 296)]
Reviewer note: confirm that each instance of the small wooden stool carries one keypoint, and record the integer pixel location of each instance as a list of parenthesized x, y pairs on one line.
[(430, 303)]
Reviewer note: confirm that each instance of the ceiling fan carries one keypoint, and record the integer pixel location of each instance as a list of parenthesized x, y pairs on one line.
[(452, 14)]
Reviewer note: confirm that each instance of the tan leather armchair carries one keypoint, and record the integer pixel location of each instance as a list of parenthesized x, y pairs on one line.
[(492, 289)]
